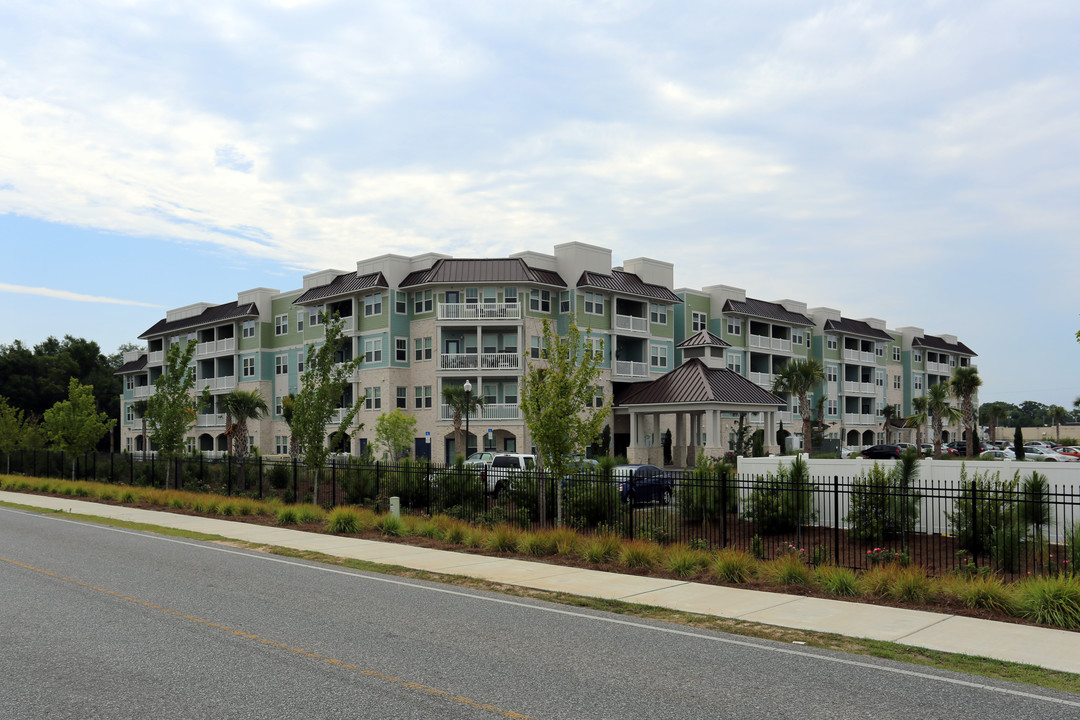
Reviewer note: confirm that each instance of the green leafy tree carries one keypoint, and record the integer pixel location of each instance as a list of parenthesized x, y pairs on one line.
[(940, 412), (1056, 414), (12, 429), (288, 404), (965, 383), (394, 432), (782, 502), (74, 425), (322, 391), (992, 413), (917, 419), (171, 410), (883, 502), (461, 404), (798, 378), (242, 406), (139, 407), (558, 401)]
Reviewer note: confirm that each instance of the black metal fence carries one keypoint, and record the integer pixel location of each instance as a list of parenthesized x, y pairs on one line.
[(1012, 528)]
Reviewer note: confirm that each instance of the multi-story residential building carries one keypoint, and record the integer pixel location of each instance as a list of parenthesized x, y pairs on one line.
[(424, 323)]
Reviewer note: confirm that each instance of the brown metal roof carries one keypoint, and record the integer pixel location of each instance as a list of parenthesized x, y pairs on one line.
[(346, 284), (766, 310), (856, 327), (209, 316), (693, 382), (703, 338), (497, 270), (133, 366), (628, 284), (935, 343)]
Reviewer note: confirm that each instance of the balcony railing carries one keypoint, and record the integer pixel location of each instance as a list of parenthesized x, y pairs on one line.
[(762, 379), (337, 415), (627, 368), (491, 411), (143, 391), (210, 420), (479, 311), (860, 419), (862, 388), (770, 343), (632, 323), (939, 368), (215, 347), (479, 361), (226, 382), (156, 357), (859, 356)]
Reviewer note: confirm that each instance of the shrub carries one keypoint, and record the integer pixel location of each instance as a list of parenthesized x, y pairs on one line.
[(287, 515), (455, 531), (788, 569), (911, 584), (877, 580), (635, 554), (734, 566), (784, 501), (343, 521), (228, 509), (684, 562), (279, 476), (984, 518), (600, 549), (1050, 600), (708, 491), (428, 528), (980, 591), (838, 581), (537, 544), (567, 541), (308, 513), (883, 504), (390, 526)]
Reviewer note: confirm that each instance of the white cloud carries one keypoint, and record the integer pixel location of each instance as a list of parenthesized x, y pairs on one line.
[(66, 295)]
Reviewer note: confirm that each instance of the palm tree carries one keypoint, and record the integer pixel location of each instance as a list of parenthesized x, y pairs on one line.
[(139, 407), (965, 381), (939, 409), (917, 419), (461, 403), (243, 405), (889, 413), (1056, 414), (991, 413), (798, 378)]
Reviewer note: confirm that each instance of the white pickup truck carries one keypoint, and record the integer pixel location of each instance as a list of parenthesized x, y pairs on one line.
[(504, 467)]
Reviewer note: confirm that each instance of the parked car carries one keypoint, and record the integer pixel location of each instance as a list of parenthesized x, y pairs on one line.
[(846, 452), (644, 483), (927, 449), (882, 452), (1070, 450), (1039, 444), (998, 455), (1045, 455), (480, 458), (505, 468)]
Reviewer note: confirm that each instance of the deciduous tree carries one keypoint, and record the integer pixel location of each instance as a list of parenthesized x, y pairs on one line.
[(394, 432), (170, 411), (12, 429), (75, 425)]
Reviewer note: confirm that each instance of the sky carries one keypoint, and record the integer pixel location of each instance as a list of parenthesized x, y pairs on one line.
[(917, 162)]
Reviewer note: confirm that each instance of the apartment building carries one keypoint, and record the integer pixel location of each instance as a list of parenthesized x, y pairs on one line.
[(430, 321)]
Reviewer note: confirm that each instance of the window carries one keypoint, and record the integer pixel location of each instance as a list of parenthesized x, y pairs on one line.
[(281, 444), (597, 345), (423, 396), (734, 327), (830, 342), (917, 382), (510, 296), (300, 361), (372, 398), (830, 373), (129, 414), (658, 356), (401, 303), (129, 383), (315, 316), (831, 408), (540, 300), (598, 397), (510, 394), (698, 321), (896, 353), (564, 301), (918, 356), (879, 380), (734, 362), (373, 304), (401, 349), (594, 303), (952, 361), (534, 347), (279, 405), (896, 382), (373, 350), (807, 338), (658, 313), (281, 325), (300, 320), (422, 348), (281, 365), (796, 337), (879, 349), (491, 394), (247, 329), (402, 399), (422, 302), (247, 367), (880, 408)]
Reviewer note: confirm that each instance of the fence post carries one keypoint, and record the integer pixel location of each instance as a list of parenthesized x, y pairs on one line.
[(333, 482), (295, 489), (977, 539), (723, 507), (836, 517), (260, 477), (228, 475)]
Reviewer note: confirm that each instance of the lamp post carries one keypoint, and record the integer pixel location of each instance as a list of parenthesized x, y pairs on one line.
[(468, 411)]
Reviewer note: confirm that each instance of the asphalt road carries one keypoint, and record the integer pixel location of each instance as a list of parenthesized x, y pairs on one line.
[(97, 622)]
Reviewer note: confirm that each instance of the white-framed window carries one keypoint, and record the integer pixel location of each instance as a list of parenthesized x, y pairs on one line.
[(658, 313), (734, 326), (796, 337), (279, 405), (281, 364), (896, 353), (658, 356), (594, 304), (129, 383), (129, 444), (373, 350), (373, 304), (401, 349), (698, 321), (880, 378), (918, 356), (795, 405), (564, 301), (402, 397), (472, 296), (830, 342), (734, 362), (129, 413), (281, 325), (880, 408), (534, 347), (879, 349), (540, 301), (300, 362), (281, 444), (247, 367), (598, 396), (247, 329), (808, 334), (896, 382), (315, 316), (422, 302), (830, 373), (491, 394), (831, 407), (423, 397), (189, 445), (372, 398), (952, 361), (510, 295), (300, 320), (916, 382), (401, 303), (422, 348), (597, 346)]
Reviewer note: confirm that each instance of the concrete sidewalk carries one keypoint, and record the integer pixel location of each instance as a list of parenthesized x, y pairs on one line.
[(1051, 649)]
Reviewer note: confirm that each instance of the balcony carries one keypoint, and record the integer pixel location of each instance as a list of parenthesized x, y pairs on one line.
[(939, 368), (481, 361), (215, 347), (492, 411), (860, 419), (226, 382), (770, 343), (479, 311), (630, 369), (210, 420), (337, 415), (143, 391), (861, 388), (763, 379), (632, 323), (156, 357)]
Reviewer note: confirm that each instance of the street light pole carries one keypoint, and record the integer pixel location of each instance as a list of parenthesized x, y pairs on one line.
[(468, 411)]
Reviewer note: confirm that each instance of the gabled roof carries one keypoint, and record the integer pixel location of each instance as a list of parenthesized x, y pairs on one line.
[(133, 366), (766, 311), (694, 382), (346, 284), (845, 326), (625, 283), (703, 338), (498, 270), (935, 343), (209, 316)]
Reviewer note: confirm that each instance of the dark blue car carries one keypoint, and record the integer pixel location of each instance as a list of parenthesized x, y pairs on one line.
[(644, 483)]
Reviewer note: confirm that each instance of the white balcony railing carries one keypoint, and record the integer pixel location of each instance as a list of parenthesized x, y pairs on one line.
[(337, 415), (492, 411), (210, 420), (226, 382), (479, 311), (156, 357), (143, 391), (939, 368), (762, 379), (860, 419), (861, 388), (215, 347), (479, 361), (632, 323), (627, 368)]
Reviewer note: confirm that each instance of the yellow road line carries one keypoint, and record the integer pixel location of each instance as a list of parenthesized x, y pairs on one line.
[(332, 661)]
